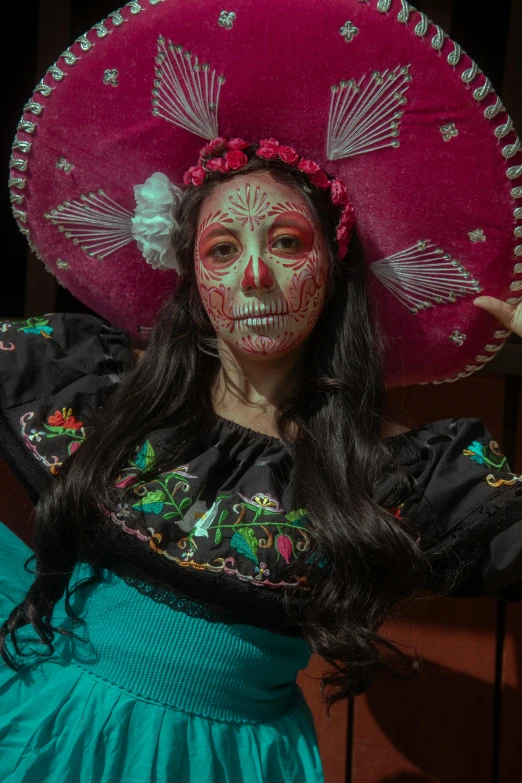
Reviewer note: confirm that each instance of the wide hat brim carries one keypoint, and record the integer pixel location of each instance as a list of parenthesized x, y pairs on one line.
[(375, 93)]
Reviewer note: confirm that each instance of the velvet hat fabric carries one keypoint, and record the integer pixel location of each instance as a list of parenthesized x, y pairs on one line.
[(372, 91)]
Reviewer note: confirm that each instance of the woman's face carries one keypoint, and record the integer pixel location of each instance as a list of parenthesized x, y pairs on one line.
[(261, 264)]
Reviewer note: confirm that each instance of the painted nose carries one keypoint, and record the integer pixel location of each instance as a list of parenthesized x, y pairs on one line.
[(257, 275)]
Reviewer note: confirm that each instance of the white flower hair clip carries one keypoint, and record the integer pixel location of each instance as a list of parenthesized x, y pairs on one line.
[(154, 223)]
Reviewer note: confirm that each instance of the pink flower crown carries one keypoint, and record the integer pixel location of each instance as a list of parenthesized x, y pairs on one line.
[(225, 156)]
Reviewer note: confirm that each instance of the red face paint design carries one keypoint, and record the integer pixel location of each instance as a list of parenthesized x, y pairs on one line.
[(261, 265)]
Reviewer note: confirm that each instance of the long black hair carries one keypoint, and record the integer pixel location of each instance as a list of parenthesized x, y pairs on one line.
[(345, 475)]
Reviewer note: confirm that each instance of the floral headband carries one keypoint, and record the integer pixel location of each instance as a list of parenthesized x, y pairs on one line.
[(226, 156)]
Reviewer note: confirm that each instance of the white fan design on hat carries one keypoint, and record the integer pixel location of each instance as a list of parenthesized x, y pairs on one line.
[(186, 92), (366, 115), (423, 275), (101, 226)]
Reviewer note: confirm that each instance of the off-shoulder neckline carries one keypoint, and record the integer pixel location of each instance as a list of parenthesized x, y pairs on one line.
[(273, 438), (247, 430)]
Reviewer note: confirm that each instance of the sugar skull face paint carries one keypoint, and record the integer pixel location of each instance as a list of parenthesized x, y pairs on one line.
[(261, 264)]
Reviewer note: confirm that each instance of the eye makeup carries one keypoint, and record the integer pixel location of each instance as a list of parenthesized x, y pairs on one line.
[(291, 224)]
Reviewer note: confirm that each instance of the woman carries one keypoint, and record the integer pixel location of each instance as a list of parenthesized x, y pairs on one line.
[(234, 499)]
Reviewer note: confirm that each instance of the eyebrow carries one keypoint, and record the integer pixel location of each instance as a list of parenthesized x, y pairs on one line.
[(280, 220), (217, 231)]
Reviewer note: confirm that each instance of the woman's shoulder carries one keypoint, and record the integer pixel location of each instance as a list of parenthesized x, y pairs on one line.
[(467, 502), (56, 370)]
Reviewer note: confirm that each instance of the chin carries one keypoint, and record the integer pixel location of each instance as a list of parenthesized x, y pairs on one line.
[(265, 345)]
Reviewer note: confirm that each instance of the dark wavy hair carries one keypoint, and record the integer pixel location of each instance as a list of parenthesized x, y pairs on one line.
[(345, 474)]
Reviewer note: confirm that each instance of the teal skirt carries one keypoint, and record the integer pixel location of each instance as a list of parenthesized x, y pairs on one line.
[(152, 694)]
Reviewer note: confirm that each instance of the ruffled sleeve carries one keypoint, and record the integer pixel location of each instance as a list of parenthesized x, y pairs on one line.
[(55, 372), (467, 508)]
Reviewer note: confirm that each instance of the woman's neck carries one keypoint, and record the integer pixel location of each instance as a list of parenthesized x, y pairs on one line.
[(248, 391)]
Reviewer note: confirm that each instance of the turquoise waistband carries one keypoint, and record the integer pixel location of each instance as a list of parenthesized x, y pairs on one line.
[(234, 673)]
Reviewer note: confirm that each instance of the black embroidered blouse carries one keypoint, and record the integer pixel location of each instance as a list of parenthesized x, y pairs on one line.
[(219, 536)]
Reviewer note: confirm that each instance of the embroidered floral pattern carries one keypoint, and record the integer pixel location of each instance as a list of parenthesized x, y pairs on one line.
[(38, 325), (457, 337), (64, 165), (449, 131), (348, 31), (5, 326), (227, 19), (59, 424), (491, 456), (477, 235), (253, 526), (63, 421), (111, 77)]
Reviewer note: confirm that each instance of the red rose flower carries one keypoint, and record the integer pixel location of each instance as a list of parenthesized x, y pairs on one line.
[(187, 176), (238, 144), (236, 159), (308, 166), (268, 148), (288, 155), (348, 216), (218, 164), (267, 152), (194, 176), (198, 175), (215, 147), (341, 233), (320, 180), (339, 192)]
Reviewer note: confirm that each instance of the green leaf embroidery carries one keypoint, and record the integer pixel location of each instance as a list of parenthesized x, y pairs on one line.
[(146, 456), (166, 477), (184, 503), (219, 533), (150, 500), (296, 516), (245, 542)]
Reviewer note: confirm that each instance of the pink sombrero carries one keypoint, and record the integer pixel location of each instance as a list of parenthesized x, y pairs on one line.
[(372, 91)]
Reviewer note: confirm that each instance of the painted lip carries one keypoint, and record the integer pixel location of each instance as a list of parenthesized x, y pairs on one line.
[(259, 309), (260, 324), (264, 315)]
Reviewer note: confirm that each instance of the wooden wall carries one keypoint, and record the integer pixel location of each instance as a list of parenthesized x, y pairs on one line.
[(458, 721)]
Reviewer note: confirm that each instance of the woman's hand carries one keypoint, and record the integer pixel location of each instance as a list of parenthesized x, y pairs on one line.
[(510, 316)]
